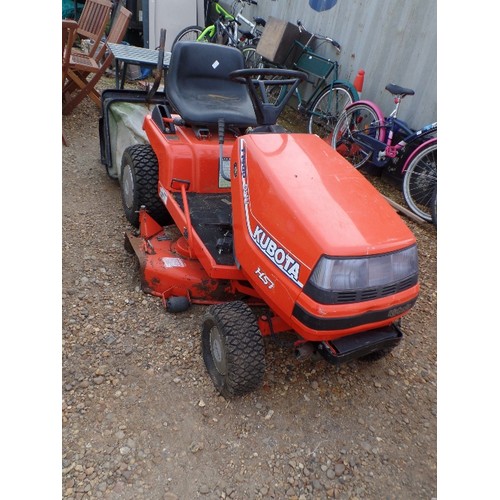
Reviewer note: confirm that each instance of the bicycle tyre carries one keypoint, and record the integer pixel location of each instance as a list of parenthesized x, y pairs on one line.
[(252, 58), (188, 34), (274, 93), (358, 118), (420, 179), (434, 210), (327, 108)]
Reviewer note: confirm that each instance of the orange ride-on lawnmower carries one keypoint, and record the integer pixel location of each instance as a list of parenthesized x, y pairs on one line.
[(232, 211)]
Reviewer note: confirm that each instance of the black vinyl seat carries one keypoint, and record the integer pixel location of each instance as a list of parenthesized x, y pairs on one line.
[(199, 88)]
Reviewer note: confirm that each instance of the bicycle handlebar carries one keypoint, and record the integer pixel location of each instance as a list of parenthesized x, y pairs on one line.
[(250, 2), (336, 45), (238, 13), (321, 37)]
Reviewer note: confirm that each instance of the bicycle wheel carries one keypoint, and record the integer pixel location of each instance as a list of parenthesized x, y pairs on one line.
[(251, 58), (434, 207), (359, 119), (274, 93), (327, 108), (189, 34), (420, 180)]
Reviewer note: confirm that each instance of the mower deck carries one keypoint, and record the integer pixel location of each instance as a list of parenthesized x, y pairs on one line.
[(167, 270)]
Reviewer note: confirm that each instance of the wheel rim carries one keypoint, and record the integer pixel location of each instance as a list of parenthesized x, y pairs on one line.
[(128, 186), (251, 58), (419, 184), (190, 36), (357, 121), (275, 93), (326, 112), (217, 351)]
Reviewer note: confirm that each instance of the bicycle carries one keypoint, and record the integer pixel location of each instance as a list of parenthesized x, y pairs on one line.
[(226, 28), (330, 95), (362, 134), (434, 216)]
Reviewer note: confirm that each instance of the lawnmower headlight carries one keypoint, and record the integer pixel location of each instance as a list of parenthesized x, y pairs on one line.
[(370, 275)]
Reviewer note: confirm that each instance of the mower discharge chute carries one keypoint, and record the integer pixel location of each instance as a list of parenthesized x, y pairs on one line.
[(233, 211)]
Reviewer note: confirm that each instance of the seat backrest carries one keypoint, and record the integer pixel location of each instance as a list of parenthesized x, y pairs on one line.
[(93, 20), (69, 27), (121, 20), (118, 30), (199, 88)]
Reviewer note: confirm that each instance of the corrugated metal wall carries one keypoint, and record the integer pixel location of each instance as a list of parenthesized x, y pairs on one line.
[(394, 41)]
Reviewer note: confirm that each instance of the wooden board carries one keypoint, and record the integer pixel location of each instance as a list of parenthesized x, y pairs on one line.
[(405, 211)]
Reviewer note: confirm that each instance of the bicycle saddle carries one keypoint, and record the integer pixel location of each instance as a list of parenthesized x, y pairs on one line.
[(199, 88), (397, 90)]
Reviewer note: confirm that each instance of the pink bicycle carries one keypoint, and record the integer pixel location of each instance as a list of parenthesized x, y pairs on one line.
[(362, 134)]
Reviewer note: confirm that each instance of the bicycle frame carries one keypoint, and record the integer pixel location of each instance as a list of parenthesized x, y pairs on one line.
[(323, 69), (317, 66), (363, 135), (211, 32), (382, 149), (239, 17)]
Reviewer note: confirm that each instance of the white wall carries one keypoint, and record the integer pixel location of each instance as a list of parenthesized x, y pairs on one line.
[(173, 15)]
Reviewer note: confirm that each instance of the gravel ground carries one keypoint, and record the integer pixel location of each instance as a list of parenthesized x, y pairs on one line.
[(141, 419)]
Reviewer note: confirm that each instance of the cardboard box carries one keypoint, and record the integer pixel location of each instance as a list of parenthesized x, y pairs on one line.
[(276, 43)]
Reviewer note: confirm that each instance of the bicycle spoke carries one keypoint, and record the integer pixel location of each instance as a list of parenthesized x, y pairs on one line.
[(326, 110), (420, 182), (349, 135)]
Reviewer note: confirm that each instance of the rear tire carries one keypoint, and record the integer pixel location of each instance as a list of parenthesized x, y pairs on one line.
[(252, 58), (189, 34), (358, 119), (139, 185), (233, 349), (420, 181), (327, 109)]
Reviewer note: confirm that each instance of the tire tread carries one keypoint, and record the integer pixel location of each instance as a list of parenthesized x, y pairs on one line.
[(245, 347)]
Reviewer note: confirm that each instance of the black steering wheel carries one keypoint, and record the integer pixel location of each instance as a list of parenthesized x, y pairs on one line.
[(260, 78)]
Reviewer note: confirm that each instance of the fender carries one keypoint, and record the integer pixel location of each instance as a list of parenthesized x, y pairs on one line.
[(416, 152), (352, 89), (378, 111)]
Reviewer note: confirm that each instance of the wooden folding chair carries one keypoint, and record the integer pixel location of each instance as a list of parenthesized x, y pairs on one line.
[(92, 22), (69, 28), (85, 71)]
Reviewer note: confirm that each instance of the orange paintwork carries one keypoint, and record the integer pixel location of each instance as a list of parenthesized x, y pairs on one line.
[(167, 270), (292, 193), (183, 156), (304, 196)]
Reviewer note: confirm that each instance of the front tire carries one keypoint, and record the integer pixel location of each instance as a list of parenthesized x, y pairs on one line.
[(434, 210), (327, 109), (233, 349), (139, 185), (358, 119), (420, 180)]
